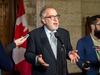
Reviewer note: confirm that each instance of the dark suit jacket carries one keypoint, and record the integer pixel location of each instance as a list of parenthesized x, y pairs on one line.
[(5, 62), (87, 53), (38, 43)]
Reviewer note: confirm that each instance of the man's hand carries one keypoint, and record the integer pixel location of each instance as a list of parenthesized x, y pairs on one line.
[(74, 56), (41, 61), (20, 41), (86, 68), (98, 48)]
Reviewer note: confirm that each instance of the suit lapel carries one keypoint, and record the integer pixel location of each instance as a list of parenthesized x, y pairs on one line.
[(90, 43), (45, 41)]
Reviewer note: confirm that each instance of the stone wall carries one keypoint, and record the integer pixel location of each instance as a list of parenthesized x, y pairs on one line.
[(73, 16)]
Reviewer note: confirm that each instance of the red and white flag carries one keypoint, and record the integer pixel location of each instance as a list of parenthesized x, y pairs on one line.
[(21, 29)]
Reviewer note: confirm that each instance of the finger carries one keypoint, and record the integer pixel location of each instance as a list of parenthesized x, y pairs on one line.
[(88, 62), (87, 68), (76, 59), (98, 49), (22, 38), (75, 51), (77, 55), (45, 64), (40, 56), (71, 60), (42, 62), (99, 46)]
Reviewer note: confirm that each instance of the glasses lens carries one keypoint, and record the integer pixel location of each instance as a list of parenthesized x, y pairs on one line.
[(53, 17)]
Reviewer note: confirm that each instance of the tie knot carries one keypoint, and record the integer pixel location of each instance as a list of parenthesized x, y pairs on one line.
[(53, 38), (52, 33)]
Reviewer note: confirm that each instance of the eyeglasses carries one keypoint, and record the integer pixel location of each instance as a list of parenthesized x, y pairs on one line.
[(97, 24), (52, 17)]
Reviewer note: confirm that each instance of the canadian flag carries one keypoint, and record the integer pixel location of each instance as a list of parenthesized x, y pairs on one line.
[(21, 29)]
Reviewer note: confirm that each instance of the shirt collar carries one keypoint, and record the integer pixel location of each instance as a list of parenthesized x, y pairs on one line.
[(48, 31), (94, 38)]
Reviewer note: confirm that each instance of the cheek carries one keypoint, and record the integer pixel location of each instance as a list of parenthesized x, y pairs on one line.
[(98, 27), (49, 22)]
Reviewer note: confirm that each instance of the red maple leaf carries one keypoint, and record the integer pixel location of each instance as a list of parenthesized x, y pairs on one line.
[(20, 32)]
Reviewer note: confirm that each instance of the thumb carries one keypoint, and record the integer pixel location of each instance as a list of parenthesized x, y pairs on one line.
[(40, 56), (75, 51)]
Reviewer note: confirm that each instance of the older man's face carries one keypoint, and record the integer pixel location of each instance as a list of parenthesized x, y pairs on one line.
[(51, 20)]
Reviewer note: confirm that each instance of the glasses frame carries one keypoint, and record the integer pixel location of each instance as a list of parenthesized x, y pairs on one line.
[(52, 17), (97, 24)]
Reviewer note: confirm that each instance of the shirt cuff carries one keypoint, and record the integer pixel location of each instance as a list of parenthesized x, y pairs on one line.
[(36, 62), (69, 53)]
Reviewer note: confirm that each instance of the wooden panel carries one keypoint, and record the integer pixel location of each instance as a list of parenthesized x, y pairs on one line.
[(3, 23), (86, 26), (7, 23)]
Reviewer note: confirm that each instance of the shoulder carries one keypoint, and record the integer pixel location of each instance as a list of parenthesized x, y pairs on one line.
[(36, 31), (85, 38), (62, 30)]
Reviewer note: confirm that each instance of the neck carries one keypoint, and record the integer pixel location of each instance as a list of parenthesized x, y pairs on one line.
[(94, 36)]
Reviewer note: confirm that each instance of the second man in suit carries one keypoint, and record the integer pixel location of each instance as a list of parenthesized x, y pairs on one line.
[(86, 50)]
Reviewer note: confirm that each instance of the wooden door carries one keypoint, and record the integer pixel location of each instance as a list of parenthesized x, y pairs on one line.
[(86, 26), (7, 23)]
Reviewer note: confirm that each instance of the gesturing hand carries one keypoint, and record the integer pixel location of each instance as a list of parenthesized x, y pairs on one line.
[(98, 48), (74, 56), (41, 61)]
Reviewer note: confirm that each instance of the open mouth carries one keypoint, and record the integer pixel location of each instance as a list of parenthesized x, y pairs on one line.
[(55, 23)]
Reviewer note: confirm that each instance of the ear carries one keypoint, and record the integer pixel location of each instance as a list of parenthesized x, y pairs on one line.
[(93, 27), (43, 20)]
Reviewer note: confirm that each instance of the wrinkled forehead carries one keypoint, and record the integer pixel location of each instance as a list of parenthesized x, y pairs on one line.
[(50, 11)]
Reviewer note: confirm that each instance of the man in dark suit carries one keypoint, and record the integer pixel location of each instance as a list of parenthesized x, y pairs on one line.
[(5, 62), (39, 51), (87, 51)]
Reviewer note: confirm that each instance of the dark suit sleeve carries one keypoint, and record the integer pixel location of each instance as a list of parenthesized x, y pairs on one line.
[(67, 44), (5, 62), (30, 55), (8, 48), (80, 48)]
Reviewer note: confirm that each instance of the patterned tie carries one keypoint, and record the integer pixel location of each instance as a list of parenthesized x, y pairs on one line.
[(53, 44)]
